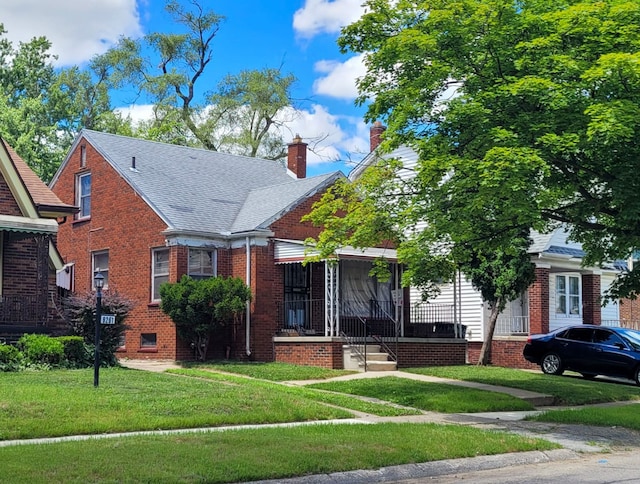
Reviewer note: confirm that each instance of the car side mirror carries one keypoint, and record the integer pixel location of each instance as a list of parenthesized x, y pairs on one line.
[(620, 346)]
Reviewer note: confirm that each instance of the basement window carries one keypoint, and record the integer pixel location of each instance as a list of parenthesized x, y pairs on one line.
[(148, 342)]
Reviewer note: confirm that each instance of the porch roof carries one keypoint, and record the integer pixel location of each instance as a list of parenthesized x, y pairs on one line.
[(288, 251), (25, 224)]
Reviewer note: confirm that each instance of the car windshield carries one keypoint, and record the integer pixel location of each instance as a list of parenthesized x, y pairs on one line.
[(632, 337)]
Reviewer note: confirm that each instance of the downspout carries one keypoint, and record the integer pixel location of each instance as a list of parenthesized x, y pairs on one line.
[(248, 309)]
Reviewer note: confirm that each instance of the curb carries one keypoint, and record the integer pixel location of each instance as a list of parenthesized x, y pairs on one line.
[(430, 469)]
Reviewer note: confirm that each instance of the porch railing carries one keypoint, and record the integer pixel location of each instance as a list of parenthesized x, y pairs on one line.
[(433, 321), (22, 311), (512, 325), (307, 317), (623, 323)]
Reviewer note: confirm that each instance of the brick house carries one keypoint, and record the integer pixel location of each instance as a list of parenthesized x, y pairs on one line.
[(29, 214), (565, 292), (151, 212)]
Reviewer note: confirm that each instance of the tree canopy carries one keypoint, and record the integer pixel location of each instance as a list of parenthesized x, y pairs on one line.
[(43, 108), (524, 115), (167, 69)]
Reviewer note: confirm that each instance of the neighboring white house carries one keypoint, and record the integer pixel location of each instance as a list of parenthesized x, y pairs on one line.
[(564, 292)]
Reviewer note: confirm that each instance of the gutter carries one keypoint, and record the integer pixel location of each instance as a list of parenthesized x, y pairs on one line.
[(248, 309)]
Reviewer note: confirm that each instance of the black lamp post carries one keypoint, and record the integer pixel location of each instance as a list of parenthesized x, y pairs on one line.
[(98, 280)]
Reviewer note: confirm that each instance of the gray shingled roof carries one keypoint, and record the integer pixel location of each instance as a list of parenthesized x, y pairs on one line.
[(197, 190)]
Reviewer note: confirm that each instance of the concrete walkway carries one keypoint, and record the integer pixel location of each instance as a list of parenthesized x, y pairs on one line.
[(536, 399)]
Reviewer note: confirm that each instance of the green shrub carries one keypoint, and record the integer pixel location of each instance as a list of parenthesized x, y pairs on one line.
[(80, 313), (200, 308), (10, 358), (40, 349), (77, 354)]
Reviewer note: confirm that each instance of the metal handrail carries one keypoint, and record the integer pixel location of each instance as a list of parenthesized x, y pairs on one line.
[(355, 344)]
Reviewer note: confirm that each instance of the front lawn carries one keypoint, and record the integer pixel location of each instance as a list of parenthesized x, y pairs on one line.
[(64, 402), (273, 371), (566, 390), (619, 416), (436, 397), (255, 454), (345, 401)]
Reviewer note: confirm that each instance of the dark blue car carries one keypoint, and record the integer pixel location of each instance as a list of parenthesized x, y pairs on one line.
[(589, 350)]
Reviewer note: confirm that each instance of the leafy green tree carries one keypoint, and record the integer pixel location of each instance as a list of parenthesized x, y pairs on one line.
[(200, 307), (542, 92), (42, 108), (237, 117)]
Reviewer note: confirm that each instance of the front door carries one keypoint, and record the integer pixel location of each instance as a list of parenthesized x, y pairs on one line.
[(296, 295)]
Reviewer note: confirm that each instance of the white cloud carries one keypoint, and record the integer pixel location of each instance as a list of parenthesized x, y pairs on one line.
[(327, 135), (325, 16), (77, 29), (340, 78), (137, 112)]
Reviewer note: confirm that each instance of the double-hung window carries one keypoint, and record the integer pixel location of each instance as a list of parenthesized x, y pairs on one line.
[(83, 195), (202, 263), (159, 271), (568, 295), (100, 262)]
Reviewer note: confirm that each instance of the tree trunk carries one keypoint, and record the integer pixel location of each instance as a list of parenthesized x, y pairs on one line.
[(485, 352)]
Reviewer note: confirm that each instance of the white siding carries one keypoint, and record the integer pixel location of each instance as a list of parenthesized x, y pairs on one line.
[(611, 312), (471, 314)]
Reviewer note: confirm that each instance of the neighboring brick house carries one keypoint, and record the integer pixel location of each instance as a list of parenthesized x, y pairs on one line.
[(29, 214), (564, 292)]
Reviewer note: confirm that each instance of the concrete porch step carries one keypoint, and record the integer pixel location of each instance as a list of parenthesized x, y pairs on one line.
[(380, 365)]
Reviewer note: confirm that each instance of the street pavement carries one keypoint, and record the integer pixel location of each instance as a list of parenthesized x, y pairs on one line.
[(588, 454)]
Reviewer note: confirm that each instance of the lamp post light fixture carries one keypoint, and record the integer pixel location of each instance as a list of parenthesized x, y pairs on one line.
[(98, 280)]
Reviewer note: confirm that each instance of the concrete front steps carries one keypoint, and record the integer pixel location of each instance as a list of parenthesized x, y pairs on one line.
[(377, 360)]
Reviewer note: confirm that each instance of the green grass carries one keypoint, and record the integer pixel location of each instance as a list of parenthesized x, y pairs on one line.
[(435, 397), (566, 390), (622, 416), (345, 401), (64, 402), (273, 371), (246, 455)]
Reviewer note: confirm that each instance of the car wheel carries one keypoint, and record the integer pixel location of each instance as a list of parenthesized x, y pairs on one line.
[(588, 376), (552, 364), (637, 378)]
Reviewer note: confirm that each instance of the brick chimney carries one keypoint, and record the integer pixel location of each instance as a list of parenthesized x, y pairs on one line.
[(297, 157), (375, 135)]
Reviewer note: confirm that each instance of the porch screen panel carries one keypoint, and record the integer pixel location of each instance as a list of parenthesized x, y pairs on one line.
[(362, 294)]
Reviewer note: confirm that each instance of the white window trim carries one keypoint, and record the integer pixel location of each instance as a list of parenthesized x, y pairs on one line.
[(79, 195), (103, 270), (154, 274), (568, 295)]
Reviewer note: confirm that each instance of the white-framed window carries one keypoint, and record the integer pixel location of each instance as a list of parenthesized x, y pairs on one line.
[(568, 295), (159, 271), (100, 262), (202, 263), (83, 195)]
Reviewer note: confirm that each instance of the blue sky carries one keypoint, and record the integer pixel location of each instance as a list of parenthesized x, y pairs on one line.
[(299, 35)]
